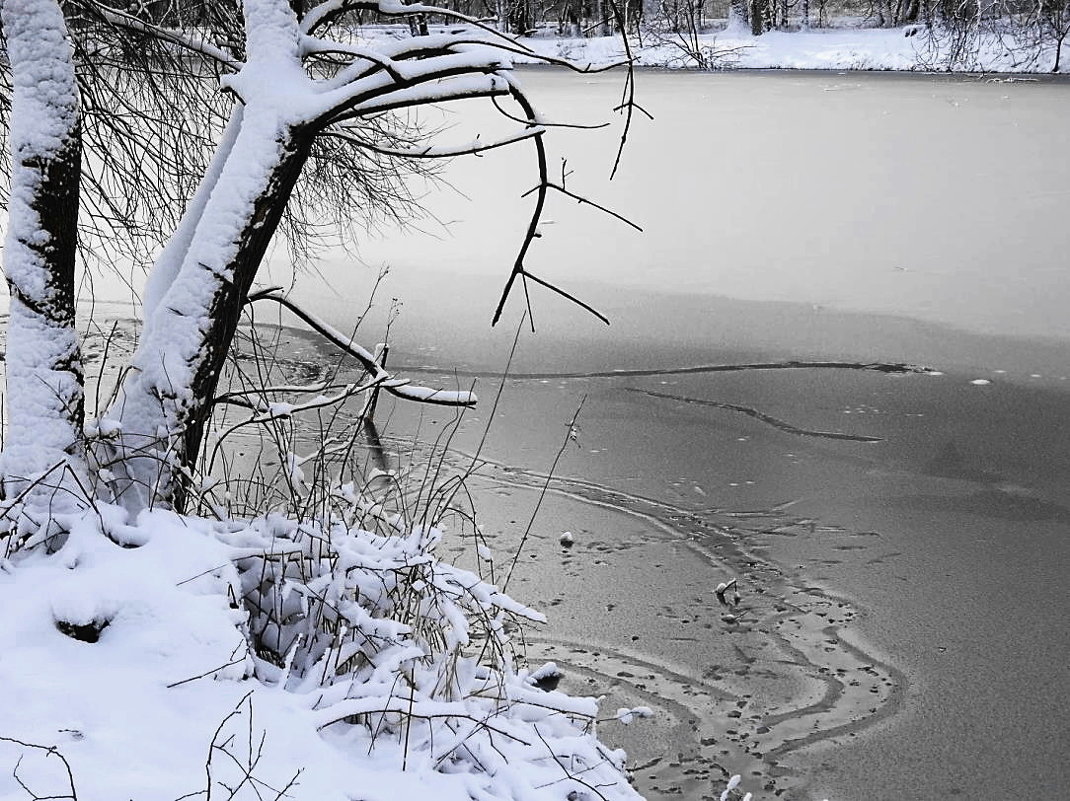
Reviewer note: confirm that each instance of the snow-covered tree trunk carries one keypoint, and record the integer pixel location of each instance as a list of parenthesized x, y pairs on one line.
[(203, 277), (43, 457)]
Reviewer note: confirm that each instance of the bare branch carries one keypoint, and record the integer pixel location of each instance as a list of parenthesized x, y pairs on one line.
[(438, 151), (50, 750), (122, 19)]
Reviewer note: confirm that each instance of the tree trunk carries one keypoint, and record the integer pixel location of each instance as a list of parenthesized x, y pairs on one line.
[(227, 303), (166, 399), (166, 396), (758, 13), (738, 13), (43, 451)]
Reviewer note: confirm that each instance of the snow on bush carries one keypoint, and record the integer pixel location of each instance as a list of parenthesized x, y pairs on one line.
[(188, 658)]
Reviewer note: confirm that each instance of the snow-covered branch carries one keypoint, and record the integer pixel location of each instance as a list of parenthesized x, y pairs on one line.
[(122, 19)]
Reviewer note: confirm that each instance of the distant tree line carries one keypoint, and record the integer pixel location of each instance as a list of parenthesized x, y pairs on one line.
[(1031, 27)]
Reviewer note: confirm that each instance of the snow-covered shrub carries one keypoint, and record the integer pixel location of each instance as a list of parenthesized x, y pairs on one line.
[(332, 614), (263, 653), (381, 636), (350, 609)]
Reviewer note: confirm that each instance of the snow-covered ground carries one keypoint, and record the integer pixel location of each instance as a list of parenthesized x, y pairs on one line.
[(824, 49), (909, 47), (181, 658)]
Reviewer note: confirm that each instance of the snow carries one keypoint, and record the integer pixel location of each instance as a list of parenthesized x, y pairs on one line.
[(44, 392), (171, 698), (736, 48), (447, 397), (733, 783), (626, 715), (169, 262), (546, 671), (41, 69)]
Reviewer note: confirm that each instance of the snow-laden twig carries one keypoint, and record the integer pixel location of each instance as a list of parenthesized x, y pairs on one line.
[(122, 19), (380, 377)]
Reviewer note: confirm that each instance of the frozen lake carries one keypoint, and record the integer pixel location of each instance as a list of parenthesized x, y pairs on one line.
[(894, 218), (814, 216), (862, 218), (939, 198)]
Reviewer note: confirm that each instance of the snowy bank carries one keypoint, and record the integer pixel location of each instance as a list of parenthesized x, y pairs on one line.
[(906, 48), (184, 658)]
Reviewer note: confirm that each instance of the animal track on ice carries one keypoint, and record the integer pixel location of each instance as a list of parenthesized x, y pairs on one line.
[(789, 633)]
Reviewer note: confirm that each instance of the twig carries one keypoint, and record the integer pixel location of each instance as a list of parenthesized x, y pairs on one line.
[(394, 386), (570, 436), (50, 750)]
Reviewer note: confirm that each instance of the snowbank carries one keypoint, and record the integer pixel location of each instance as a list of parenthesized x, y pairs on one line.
[(188, 658), (907, 48)]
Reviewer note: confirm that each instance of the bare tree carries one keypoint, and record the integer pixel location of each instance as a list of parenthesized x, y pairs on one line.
[(1049, 22), (295, 84)]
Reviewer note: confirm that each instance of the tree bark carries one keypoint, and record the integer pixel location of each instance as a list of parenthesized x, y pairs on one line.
[(758, 14), (166, 399), (44, 457)]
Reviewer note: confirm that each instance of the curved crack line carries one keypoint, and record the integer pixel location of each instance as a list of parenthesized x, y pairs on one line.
[(757, 415), (585, 491), (893, 368)]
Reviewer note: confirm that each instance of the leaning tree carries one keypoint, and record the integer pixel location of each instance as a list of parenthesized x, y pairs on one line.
[(302, 103)]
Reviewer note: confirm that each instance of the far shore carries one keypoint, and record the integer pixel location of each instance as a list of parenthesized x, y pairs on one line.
[(888, 72), (848, 45)]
